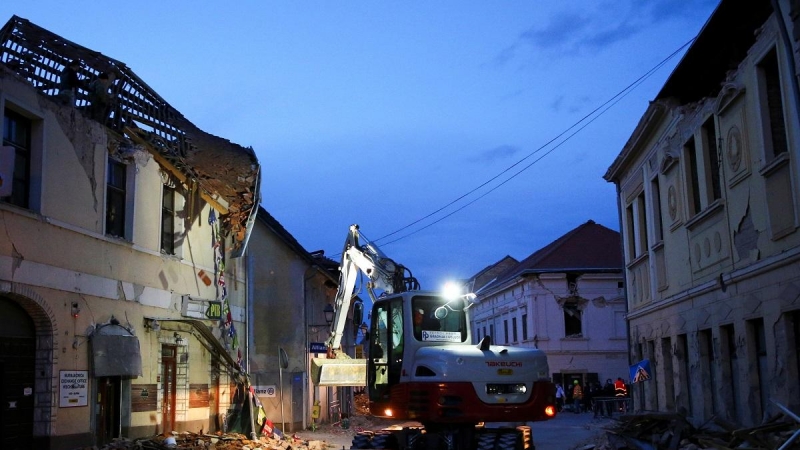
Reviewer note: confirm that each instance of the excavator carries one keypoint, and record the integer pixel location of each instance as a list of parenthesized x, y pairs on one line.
[(423, 367)]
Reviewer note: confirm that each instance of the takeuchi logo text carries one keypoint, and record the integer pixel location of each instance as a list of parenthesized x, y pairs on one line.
[(504, 363)]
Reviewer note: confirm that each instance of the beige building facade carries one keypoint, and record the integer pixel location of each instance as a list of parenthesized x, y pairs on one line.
[(566, 299), (709, 200), (123, 292), (291, 290)]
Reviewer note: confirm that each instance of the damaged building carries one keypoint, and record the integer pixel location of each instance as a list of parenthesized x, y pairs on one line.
[(709, 200), (567, 299), (122, 289)]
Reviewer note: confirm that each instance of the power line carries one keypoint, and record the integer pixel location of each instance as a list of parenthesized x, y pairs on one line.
[(588, 118)]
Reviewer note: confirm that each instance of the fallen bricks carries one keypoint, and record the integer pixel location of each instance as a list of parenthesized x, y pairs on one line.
[(671, 431), (195, 441)]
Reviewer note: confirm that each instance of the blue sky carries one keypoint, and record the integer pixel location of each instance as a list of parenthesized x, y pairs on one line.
[(382, 113)]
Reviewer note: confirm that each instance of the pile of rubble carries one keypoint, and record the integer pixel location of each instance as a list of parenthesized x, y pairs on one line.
[(671, 431), (220, 441)]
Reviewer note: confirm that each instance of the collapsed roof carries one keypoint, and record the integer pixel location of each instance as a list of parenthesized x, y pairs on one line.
[(227, 173)]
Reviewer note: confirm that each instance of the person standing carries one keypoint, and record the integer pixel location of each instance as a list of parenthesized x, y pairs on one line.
[(100, 97), (608, 393), (559, 397), (577, 396), (620, 392), (69, 82)]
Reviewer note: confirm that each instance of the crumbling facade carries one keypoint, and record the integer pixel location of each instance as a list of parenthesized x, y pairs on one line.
[(709, 203), (566, 299), (122, 290)]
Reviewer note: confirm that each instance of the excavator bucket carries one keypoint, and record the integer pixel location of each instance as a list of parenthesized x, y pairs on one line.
[(339, 372)]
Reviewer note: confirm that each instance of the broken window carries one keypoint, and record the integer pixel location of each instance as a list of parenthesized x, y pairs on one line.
[(168, 220), (514, 328), (17, 135), (524, 327), (693, 187), (572, 319), (771, 100), (116, 194)]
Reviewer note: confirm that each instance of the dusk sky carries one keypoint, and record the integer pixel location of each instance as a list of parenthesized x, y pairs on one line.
[(456, 124)]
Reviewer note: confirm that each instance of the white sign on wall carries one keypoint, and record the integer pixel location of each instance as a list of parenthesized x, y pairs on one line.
[(266, 391), (73, 388)]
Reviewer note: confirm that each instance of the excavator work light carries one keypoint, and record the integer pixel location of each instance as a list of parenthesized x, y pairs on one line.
[(550, 411)]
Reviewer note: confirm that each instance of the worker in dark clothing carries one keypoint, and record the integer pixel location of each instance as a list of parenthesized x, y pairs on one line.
[(608, 392), (69, 83), (100, 97)]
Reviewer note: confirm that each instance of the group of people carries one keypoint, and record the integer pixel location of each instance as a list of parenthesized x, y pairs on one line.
[(98, 90), (602, 400)]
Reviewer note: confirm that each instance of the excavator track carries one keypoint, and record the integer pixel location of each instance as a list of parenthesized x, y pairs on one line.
[(519, 438)]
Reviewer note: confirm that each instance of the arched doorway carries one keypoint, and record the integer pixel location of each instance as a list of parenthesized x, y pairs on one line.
[(17, 376)]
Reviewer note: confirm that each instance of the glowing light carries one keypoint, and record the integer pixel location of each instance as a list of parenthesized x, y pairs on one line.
[(451, 290), (550, 411), (388, 412)]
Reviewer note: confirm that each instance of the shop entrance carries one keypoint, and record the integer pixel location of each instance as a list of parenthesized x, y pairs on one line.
[(109, 402), (17, 371)]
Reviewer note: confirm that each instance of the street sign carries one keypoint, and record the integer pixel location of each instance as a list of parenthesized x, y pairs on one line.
[(269, 390), (641, 371), (318, 347), (214, 311)]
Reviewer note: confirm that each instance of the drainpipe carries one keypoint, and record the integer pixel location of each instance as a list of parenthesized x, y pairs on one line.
[(250, 310), (306, 359)]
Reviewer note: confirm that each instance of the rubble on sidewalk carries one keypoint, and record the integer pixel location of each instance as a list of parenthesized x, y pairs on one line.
[(219, 441), (671, 431)]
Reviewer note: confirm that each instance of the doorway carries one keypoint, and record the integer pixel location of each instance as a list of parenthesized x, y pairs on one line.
[(109, 403), (17, 373), (168, 388)]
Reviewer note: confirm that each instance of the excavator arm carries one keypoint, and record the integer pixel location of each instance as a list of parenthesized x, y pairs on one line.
[(382, 271), (383, 274)]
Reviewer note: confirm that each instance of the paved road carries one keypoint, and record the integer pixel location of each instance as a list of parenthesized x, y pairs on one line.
[(567, 431)]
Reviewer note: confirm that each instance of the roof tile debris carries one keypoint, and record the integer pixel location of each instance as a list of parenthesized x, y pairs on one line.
[(229, 173)]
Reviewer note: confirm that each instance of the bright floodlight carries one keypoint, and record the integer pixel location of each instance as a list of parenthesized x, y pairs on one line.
[(451, 290)]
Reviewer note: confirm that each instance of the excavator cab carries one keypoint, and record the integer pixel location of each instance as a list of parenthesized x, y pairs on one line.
[(402, 324)]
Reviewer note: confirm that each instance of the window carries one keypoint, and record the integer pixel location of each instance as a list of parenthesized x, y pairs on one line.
[(17, 134), (771, 100), (572, 320), (168, 220), (505, 329), (702, 159), (657, 219), (694, 178), (637, 227), (514, 328), (524, 327), (116, 197), (711, 158)]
